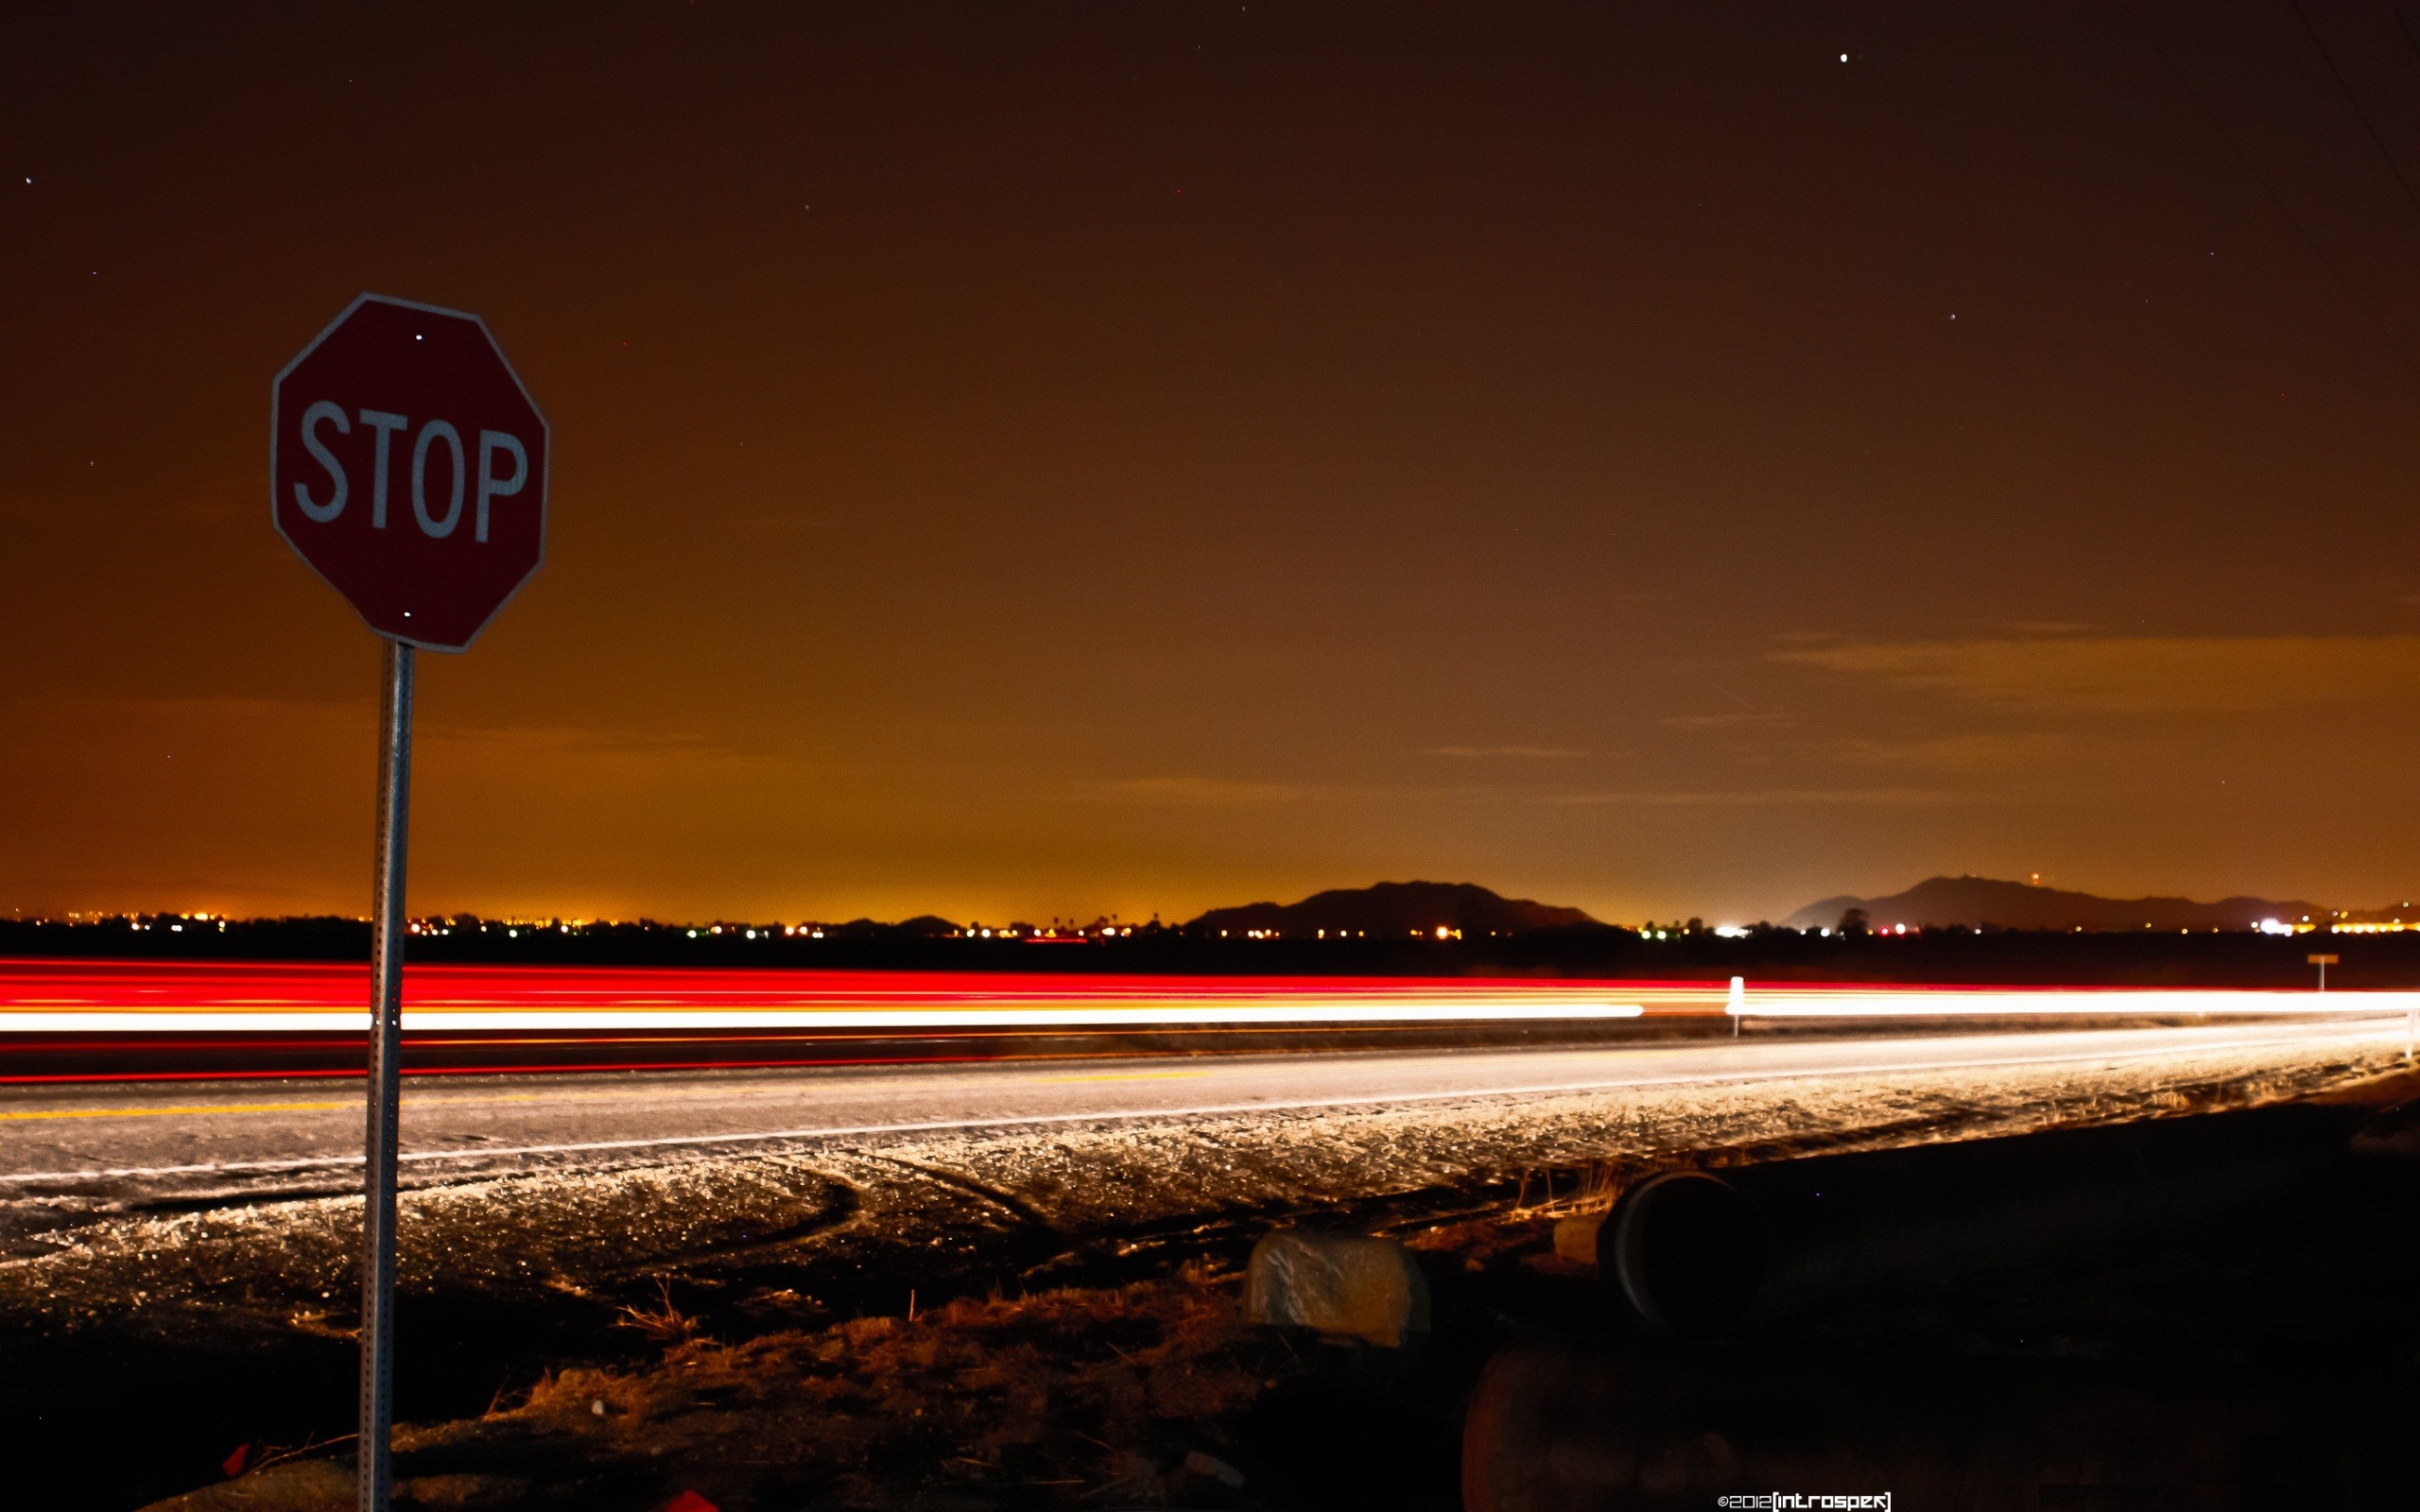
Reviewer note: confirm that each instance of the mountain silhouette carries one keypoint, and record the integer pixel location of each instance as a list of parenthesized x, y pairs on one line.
[(1980, 901), (1395, 910)]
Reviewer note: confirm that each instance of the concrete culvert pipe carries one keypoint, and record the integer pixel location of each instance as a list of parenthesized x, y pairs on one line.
[(1687, 1252), (1700, 1252)]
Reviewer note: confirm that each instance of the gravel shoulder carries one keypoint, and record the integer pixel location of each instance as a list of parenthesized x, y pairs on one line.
[(507, 1279)]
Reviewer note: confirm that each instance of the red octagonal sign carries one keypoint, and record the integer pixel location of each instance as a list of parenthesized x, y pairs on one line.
[(408, 465)]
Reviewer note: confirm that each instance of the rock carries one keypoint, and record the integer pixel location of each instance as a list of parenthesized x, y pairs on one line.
[(1211, 1466), (298, 1486), (1575, 1238), (1341, 1285), (328, 1486)]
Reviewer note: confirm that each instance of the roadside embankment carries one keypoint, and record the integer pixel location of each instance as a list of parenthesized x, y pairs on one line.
[(229, 1324)]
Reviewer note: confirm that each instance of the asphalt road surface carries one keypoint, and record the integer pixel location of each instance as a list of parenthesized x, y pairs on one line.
[(154, 1140)]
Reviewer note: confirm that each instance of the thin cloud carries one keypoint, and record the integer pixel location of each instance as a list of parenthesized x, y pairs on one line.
[(2137, 674), (1529, 752), (1729, 720), (1986, 754), (2040, 627), (1199, 792), (1768, 798)]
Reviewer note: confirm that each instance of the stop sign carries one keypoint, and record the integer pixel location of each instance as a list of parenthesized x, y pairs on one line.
[(408, 467)]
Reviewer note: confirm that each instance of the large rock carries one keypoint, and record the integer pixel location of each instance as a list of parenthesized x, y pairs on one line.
[(1339, 1285)]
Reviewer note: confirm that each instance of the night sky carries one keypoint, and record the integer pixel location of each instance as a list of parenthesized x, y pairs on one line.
[(1053, 460)]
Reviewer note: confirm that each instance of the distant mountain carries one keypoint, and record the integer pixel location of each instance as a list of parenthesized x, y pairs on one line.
[(1978, 901), (1395, 910), (924, 926)]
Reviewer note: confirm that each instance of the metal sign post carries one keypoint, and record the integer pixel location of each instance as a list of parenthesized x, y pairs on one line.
[(408, 465), (2323, 962), (386, 1081)]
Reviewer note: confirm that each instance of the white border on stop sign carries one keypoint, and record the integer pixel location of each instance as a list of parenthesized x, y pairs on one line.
[(545, 478)]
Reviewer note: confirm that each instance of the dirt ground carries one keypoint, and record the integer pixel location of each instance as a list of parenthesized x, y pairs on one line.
[(228, 1325), (1062, 1398), (2267, 1357)]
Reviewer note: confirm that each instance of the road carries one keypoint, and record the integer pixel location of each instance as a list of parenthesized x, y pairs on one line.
[(147, 1141), (138, 1224)]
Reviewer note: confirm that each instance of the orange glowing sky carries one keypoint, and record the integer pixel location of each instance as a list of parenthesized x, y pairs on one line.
[(1056, 460)]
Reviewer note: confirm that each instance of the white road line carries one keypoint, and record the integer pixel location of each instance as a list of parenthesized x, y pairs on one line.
[(1209, 1110)]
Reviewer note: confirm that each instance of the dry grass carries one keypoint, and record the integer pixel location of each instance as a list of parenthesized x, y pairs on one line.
[(664, 1322), (1073, 1391)]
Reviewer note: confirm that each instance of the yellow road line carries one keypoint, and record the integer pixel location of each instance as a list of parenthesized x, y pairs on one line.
[(414, 1096), (165, 1112)]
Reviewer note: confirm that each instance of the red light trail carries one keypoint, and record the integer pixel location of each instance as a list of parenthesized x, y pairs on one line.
[(65, 1020)]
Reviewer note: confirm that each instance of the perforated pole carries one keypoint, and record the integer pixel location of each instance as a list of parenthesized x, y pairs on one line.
[(386, 1082)]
